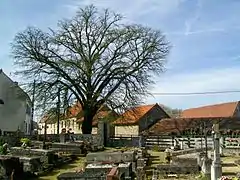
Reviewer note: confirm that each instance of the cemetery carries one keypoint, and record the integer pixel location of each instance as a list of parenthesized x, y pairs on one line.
[(181, 158)]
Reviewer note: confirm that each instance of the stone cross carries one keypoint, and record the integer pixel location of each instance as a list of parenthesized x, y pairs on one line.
[(216, 168)]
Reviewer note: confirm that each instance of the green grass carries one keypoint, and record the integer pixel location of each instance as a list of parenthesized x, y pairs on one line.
[(72, 167), (156, 158)]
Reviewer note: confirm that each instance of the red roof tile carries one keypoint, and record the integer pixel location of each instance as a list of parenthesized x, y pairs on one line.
[(166, 126), (133, 115), (76, 111), (100, 115), (211, 111)]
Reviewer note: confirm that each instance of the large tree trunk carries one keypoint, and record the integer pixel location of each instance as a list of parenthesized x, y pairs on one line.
[(87, 121), (87, 125)]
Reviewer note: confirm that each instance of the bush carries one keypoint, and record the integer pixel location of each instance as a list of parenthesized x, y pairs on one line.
[(2, 141), (3, 150), (26, 141)]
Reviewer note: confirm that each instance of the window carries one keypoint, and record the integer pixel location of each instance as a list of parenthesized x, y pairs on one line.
[(79, 126), (62, 123)]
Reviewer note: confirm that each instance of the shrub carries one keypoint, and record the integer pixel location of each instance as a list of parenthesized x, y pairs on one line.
[(3, 150), (2, 141), (25, 141)]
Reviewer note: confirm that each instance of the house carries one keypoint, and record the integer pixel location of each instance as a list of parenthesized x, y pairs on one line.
[(73, 119), (138, 119), (15, 107), (228, 114)]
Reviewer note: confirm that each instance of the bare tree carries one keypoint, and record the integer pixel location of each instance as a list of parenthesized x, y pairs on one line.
[(172, 112), (97, 58)]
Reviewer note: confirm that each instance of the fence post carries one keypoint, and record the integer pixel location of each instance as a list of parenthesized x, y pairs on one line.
[(132, 144), (189, 142), (172, 140), (121, 139)]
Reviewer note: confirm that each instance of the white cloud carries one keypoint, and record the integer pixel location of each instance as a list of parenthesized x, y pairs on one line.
[(202, 81)]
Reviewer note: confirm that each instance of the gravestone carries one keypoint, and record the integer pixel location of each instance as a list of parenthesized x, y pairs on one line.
[(62, 138), (100, 134), (200, 157), (206, 167), (46, 156)]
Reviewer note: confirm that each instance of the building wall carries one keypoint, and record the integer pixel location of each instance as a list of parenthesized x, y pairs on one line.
[(67, 124), (131, 130), (16, 112), (151, 118), (237, 111)]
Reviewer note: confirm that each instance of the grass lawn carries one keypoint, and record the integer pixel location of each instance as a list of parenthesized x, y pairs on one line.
[(229, 168), (65, 168), (159, 158)]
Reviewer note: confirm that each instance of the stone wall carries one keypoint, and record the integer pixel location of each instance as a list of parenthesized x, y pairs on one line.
[(97, 140), (123, 141)]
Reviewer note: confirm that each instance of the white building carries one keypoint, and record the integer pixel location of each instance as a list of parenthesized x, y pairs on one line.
[(16, 109)]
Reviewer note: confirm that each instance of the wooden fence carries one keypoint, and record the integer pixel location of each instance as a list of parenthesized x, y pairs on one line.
[(164, 142), (185, 142)]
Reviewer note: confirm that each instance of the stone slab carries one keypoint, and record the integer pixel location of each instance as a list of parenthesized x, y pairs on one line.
[(46, 156), (188, 151), (115, 157), (176, 169)]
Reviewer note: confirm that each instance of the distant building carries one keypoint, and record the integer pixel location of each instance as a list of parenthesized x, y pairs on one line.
[(228, 114), (73, 120), (138, 119), (15, 107)]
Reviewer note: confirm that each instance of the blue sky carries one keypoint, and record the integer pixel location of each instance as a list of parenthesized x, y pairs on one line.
[(204, 34)]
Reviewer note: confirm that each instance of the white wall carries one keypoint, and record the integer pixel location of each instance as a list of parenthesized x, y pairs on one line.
[(67, 124), (13, 114), (127, 130)]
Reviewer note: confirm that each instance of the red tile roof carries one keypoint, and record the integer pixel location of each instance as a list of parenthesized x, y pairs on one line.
[(100, 115), (211, 111), (75, 111), (168, 125), (133, 115), (190, 116)]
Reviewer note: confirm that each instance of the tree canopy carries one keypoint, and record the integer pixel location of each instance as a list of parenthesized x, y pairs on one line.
[(94, 58), (172, 112)]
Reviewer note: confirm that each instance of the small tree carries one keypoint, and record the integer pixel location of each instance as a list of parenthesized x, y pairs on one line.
[(95, 58)]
